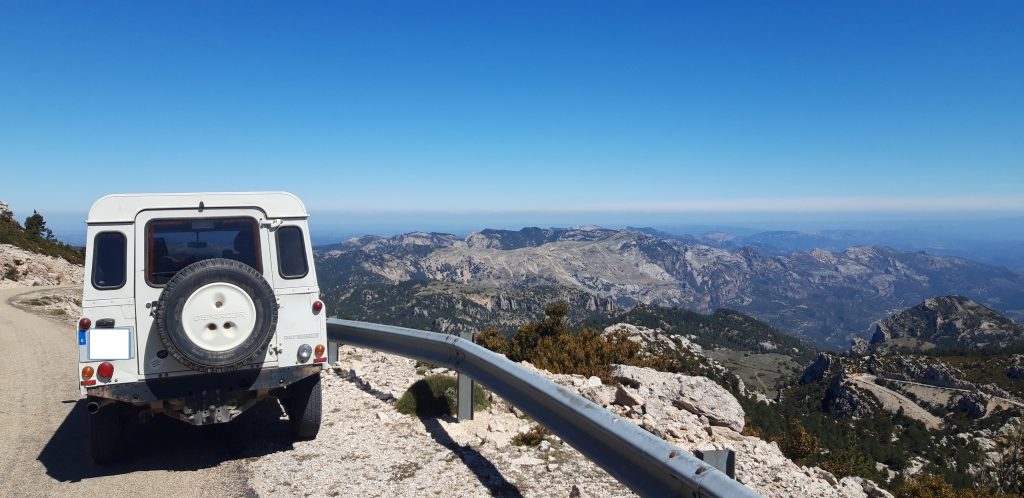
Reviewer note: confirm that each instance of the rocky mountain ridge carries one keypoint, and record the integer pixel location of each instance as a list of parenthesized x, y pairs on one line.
[(828, 297), (947, 322)]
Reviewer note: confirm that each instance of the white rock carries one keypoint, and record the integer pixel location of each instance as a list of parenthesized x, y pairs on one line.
[(626, 396), (698, 395), (527, 460), (36, 269), (602, 395)]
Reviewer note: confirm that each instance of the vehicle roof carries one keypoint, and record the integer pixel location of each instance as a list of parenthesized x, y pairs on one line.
[(123, 208)]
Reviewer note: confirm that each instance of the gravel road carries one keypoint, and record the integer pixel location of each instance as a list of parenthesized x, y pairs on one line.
[(894, 401), (45, 430)]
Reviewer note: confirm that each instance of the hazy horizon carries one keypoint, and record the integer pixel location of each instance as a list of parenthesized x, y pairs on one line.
[(335, 226)]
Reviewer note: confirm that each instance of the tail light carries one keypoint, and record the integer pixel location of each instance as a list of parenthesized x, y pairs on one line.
[(319, 350), (106, 370), (87, 372), (84, 324), (318, 306)]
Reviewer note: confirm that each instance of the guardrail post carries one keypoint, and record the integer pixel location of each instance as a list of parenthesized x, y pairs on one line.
[(466, 386), (723, 460), (332, 351)]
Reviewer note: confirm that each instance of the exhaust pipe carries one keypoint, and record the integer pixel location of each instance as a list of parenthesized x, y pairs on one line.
[(92, 407)]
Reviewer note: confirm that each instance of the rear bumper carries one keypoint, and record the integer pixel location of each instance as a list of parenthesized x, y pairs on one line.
[(203, 385)]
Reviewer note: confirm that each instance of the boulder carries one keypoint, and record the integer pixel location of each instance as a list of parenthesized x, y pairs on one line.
[(602, 395), (698, 395)]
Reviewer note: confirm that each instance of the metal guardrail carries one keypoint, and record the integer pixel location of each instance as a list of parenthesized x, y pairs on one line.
[(645, 463)]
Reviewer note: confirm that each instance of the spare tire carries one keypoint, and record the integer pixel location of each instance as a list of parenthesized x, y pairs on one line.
[(216, 315)]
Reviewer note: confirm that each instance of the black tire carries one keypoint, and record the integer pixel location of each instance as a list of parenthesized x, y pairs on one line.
[(106, 435), (304, 403), (184, 283)]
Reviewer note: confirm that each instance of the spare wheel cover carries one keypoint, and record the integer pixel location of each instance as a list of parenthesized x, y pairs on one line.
[(216, 315)]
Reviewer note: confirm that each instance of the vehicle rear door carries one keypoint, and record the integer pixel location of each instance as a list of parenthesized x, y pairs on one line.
[(169, 240)]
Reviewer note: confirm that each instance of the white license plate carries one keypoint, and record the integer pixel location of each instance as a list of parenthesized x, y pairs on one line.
[(110, 344)]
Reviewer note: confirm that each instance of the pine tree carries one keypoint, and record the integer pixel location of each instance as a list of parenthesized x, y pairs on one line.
[(35, 226)]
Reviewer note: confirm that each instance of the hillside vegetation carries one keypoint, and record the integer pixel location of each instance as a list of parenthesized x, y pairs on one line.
[(35, 237)]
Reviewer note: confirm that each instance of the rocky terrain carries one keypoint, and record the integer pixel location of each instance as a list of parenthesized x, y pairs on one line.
[(22, 268), (443, 457), (947, 322), (938, 412), (829, 297), (940, 381)]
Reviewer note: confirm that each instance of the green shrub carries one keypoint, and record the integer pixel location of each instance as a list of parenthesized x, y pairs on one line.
[(10, 273), (550, 345), (797, 444), (437, 395), (492, 339), (930, 486), (532, 437), (847, 462)]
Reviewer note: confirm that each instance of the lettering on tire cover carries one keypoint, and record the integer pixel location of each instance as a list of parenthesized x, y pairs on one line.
[(218, 316)]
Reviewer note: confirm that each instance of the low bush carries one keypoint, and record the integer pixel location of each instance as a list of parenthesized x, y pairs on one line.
[(10, 273), (532, 437), (435, 396), (796, 443)]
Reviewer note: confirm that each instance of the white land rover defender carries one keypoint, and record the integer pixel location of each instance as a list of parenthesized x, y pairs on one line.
[(198, 306)]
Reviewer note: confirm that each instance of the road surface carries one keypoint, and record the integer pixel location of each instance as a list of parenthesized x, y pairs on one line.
[(44, 432), (992, 400), (894, 401)]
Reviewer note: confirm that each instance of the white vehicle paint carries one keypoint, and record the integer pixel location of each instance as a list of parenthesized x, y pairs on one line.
[(198, 306)]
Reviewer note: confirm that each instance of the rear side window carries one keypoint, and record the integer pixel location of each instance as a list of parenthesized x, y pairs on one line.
[(109, 263), (174, 244), (291, 252)]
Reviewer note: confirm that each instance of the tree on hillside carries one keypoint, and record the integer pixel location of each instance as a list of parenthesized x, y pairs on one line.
[(35, 226), (796, 443)]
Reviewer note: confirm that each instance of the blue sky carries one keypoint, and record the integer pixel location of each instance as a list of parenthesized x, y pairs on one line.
[(529, 111)]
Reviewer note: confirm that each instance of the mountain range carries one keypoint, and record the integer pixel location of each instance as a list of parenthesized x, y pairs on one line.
[(827, 297)]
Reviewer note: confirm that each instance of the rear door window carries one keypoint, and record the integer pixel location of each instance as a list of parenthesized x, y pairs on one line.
[(109, 260), (174, 244), (291, 252)]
